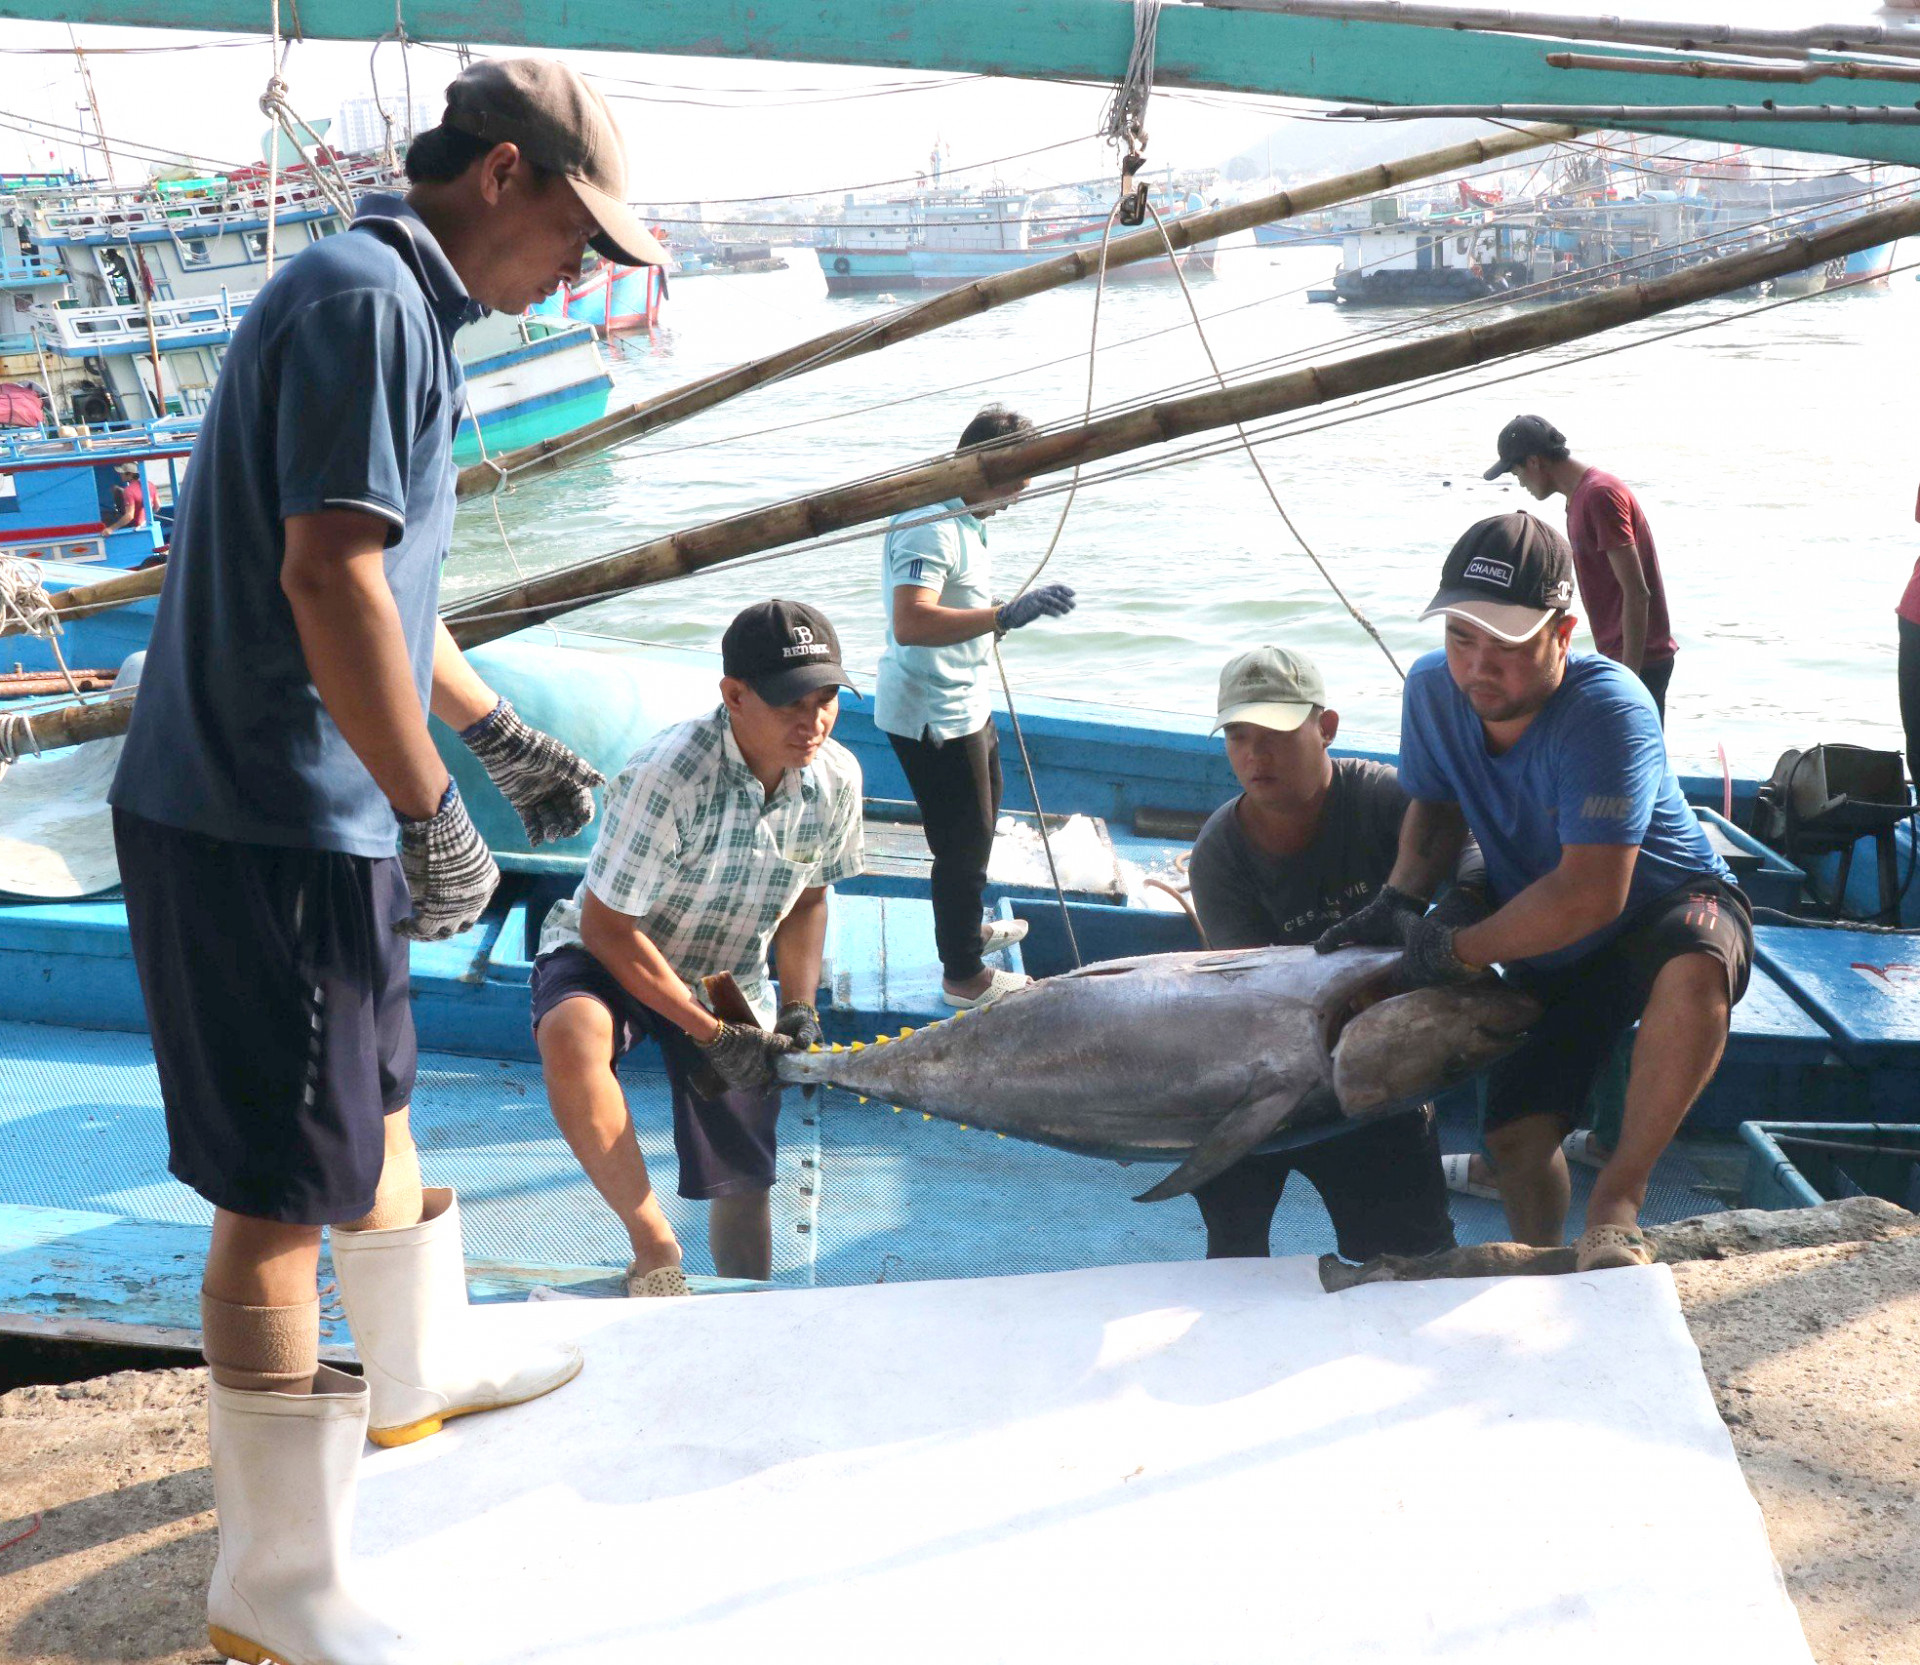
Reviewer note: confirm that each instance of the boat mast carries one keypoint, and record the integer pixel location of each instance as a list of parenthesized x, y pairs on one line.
[(93, 103)]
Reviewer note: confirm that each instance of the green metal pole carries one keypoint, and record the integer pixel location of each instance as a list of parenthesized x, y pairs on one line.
[(1050, 40)]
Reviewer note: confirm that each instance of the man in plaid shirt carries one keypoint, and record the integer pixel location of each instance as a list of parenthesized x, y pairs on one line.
[(720, 839)]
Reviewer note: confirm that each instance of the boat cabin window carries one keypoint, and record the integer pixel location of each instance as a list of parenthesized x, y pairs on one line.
[(256, 242), (194, 252)]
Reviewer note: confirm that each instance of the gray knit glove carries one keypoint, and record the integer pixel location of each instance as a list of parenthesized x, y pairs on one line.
[(743, 1057), (1382, 923), (800, 1023), (1429, 960), (549, 785), (450, 875)]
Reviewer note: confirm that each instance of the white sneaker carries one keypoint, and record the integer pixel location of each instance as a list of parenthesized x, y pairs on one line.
[(997, 934), (1002, 982)]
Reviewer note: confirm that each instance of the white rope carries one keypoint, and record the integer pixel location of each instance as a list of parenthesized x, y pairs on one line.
[(1053, 543), (16, 740), (493, 502), (1253, 457), (26, 609)]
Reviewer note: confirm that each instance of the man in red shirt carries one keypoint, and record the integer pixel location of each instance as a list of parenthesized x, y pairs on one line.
[(129, 499), (1613, 555)]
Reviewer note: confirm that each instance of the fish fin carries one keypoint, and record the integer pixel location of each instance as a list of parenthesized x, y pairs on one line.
[(1241, 1130)]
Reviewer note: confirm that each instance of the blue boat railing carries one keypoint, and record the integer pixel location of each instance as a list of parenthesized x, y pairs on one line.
[(16, 270), (98, 442)]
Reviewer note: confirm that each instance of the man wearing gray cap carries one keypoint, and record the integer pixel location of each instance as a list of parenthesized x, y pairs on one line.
[(1309, 839), (284, 824)]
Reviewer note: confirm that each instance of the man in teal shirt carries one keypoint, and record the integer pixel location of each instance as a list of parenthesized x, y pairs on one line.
[(934, 703)]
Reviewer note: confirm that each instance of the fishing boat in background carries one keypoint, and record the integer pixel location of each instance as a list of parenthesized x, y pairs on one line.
[(57, 492), (96, 1240), (152, 282), (941, 238), (614, 299)]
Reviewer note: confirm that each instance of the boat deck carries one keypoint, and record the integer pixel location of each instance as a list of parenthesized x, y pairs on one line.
[(94, 1233)]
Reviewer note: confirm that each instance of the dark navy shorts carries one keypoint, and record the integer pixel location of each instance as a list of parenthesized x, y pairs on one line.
[(1381, 1183), (1592, 1003), (725, 1144), (276, 994)]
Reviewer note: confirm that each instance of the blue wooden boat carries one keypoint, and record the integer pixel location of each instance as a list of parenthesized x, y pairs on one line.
[(56, 492), (98, 1243)]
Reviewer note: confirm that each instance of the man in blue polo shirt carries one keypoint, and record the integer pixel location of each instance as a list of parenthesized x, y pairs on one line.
[(279, 753), (1608, 900)]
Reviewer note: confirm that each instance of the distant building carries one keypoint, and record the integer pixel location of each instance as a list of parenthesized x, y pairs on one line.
[(360, 127)]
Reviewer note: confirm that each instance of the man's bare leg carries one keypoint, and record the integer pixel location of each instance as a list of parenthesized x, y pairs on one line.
[(1531, 1172), (396, 1200), (1683, 1031), (576, 1052), (740, 1235)]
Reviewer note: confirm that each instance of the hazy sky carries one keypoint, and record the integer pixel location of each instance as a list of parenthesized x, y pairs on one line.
[(696, 127)]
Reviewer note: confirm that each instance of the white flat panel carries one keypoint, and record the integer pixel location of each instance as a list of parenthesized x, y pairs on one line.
[(1171, 1464)]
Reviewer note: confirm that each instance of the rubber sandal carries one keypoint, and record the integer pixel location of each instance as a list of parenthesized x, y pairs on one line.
[(1457, 1170), (1004, 982), (1578, 1147), (661, 1281), (1602, 1248), (997, 934)]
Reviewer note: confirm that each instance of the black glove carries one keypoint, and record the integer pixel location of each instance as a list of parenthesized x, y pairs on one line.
[(549, 785), (1429, 959), (800, 1023), (1382, 923), (743, 1057), (1462, 906), (1054, 601), (449, 873)]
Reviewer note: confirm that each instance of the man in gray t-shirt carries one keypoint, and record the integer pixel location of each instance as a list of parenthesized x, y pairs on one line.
[(1309, 840)]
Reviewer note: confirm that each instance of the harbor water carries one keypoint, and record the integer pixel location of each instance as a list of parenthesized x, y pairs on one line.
[(1777, 475)]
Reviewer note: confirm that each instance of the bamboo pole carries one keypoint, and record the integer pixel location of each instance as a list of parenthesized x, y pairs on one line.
[(1894, 40), (1702, 69), (984, 294), (84, 599), (982, 473), (1643, 116)]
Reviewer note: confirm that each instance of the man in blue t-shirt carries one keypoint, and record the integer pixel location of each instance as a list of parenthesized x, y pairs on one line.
[(278, 758), (1609, 902)]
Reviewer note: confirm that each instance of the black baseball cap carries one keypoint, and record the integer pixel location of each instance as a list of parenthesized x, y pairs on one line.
[(783, 651), (1508, 575), (1524, 437)]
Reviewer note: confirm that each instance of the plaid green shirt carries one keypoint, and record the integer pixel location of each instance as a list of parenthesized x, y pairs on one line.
[(693, 850)]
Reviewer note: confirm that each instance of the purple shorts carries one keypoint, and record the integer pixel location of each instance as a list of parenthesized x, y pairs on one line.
[(725, 1144)]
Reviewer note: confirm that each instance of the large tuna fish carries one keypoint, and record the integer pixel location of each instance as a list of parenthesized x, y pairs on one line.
[(1197, 1056)]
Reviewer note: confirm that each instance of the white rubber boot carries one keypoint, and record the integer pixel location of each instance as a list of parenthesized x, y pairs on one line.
[(405, 1292), (284, 1471)]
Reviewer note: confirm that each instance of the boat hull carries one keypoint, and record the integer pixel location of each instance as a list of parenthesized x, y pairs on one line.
[(530, 392)]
